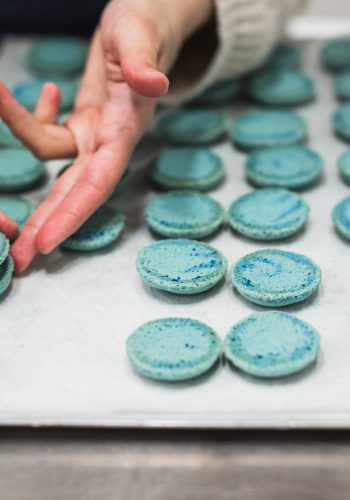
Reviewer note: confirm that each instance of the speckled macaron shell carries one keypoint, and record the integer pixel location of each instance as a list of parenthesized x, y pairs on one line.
[(335, 55), (291, 167), (192, 127), (28, 93), (4, 248), (187, 168), (218, 94), (343, 164), (173, 349), (184, 214), (103, 228), (281, 88), (181, 266), (262, 129), (341, 121), (268, 214), (7, 139), (284, 56), (275, 278), (341, 217), (272, 344), (6, 273), (342, 86), (19, 170), (58, 56), (17, 208)]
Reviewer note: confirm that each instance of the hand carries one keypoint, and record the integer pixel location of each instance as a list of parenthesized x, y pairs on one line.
[(136, 43), (7, 226)]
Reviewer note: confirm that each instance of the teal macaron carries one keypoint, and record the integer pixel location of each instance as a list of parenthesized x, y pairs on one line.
[(60, 56), (281, 88), (19, 170), (7, 139), (335, 55), (173, 349), (341, 121), (284, 56), (184, 214), (17, 208), (272, 128), (6, 273), (272, 344), (4, 248), (28, 93), (181, 266), (187, 168), (341, 217), (343, 164), (102, 229), (192, 126), (290, 167), (268, 214), (275, 278), (342, 86), (218, 94)]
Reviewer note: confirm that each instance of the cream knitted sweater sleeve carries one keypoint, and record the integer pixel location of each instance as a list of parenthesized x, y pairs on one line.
[(246, 31)]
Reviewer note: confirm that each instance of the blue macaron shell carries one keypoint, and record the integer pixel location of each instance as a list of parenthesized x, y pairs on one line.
[(187, 168), (262, 129), (291, 167), (4, 247), (181, 266), (343, 164), (272, 344), (6, 273), (19, 170), (28, 93), (341, 217), (58, 55), (192, 126), (342, 85), (275, 278), (18, 209), (335, 54), (284, 56), (217, 95), (7, 139), (184, 214), (173, 349), (341, 121), (281, 88), (100, 230), (268, 214)]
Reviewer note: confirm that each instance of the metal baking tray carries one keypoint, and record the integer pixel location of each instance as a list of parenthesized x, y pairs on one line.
[(63, 324)]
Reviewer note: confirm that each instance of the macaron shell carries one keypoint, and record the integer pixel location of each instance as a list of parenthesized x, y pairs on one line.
[(4, 248), (341, 121), (335, 54), (18, 209), (19, 170), (6, 272), (284, 56), (217, 95), (341, 217), (28, 93), (343, 164), (7, 139)]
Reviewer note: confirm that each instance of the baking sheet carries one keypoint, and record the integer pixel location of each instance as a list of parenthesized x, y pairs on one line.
[(63, 325)]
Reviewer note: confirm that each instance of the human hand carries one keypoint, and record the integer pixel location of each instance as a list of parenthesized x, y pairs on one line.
[(136, 43)]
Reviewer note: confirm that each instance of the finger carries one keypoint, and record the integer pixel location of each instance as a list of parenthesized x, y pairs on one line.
[(24, 249), (47, 108), (7, 226), (46, 141), (93, 188)]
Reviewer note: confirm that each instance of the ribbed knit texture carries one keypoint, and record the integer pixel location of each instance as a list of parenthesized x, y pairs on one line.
[(246, 32)]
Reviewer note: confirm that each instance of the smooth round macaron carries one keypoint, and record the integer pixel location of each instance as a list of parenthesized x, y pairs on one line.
[(184, 214), (291, 167), (271, 344), (284, 56), (281, 88), (341, 121), (268, 214), (19, 170), (341, 217), (4, 247), (28, 93), (7, 139), (187, 168), (192, 127), (58, 56), (335, 55), (6, 273), (181, 266), (275, 278), (15, 207), (218, 94), (342, 86), (343, 164), (100, 230), (262, 129), (173, 349)]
